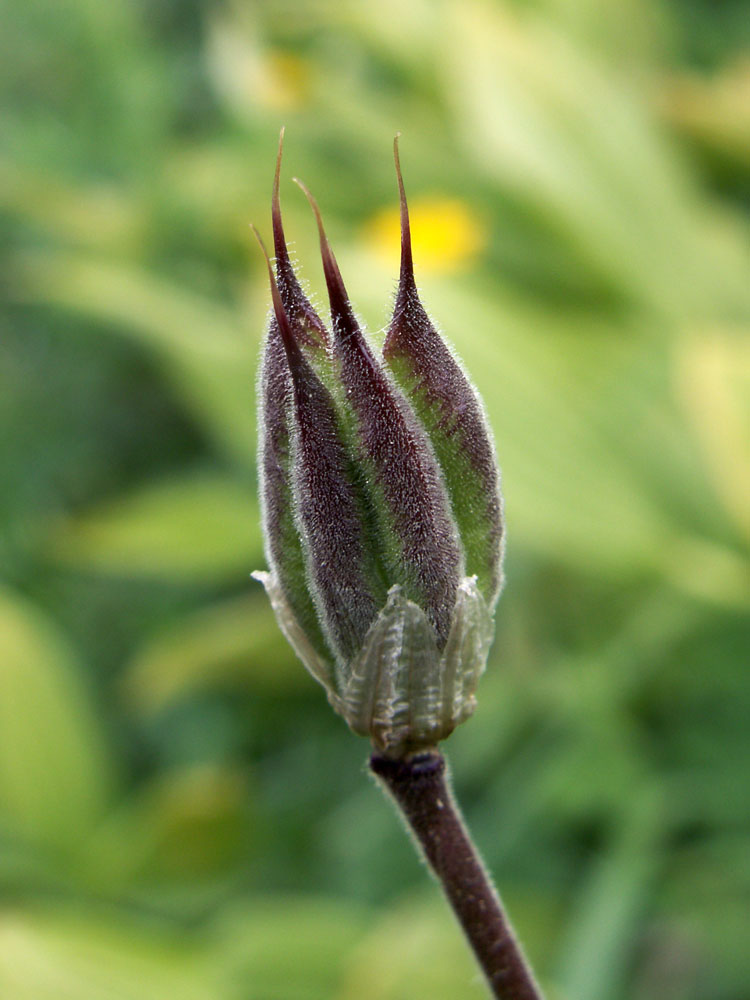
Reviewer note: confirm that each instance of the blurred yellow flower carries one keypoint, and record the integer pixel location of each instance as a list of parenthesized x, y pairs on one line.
[(288, 81), (447, 233), (250, 76)]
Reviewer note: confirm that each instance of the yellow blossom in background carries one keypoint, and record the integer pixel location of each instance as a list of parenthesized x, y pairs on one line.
[(447, 234), (288, 81), (714, 110), (249, 76)]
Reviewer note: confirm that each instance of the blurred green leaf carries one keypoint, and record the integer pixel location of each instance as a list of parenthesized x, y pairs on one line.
[(235, 642), (551, 124), (289, 947), (713, 370), (202, 528), (704, 908), (187, 826), (71, 955), (606, 922), (55, 778), (100, 216), (203, 348), (713, 112)]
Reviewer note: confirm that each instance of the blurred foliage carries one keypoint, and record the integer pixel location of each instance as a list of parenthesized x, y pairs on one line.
[(180, 813)]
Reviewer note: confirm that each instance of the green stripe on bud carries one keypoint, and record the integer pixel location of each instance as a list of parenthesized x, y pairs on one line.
[(449, 409)]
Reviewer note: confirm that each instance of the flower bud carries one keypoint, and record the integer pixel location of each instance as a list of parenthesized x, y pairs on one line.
[(381, 507)]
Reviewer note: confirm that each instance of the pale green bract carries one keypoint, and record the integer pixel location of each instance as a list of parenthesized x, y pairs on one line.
[(401, 690)]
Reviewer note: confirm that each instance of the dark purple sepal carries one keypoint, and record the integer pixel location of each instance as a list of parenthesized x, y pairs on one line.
[(448, 407), (309, 329), (284, 551), (327, 506), (419, 541)]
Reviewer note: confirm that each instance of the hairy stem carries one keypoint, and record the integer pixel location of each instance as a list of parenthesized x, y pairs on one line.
[(419, 787)]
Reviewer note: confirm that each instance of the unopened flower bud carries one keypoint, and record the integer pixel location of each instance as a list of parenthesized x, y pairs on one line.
[(381, 506)]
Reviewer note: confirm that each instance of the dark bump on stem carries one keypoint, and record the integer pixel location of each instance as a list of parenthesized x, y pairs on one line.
[(391, 769)]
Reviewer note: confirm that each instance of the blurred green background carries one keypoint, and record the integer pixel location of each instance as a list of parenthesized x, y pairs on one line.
[(181, 815)]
